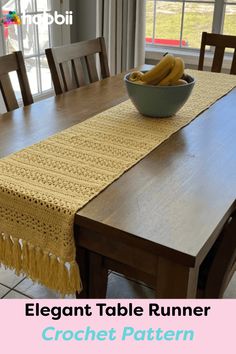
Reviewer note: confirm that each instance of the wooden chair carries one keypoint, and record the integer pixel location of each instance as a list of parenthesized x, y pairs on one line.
[(220, 42), (10, 63), (68, 64)]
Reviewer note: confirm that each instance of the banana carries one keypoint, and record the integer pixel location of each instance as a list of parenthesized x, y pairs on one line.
[(179, 82), (135, 76), (139, 82), (175, 74), (160, 71)]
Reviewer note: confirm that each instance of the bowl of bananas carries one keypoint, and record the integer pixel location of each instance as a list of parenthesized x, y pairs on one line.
[(161, 91)]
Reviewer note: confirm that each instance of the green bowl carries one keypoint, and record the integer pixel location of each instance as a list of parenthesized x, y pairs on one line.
[(159, 101)]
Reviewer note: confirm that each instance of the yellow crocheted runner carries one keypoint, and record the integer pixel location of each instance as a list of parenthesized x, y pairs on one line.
[(42, 186)]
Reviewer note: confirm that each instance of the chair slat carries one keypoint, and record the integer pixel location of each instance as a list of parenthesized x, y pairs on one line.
[(8, 93), (233, 66), (67, 77), (78, 72), (202, 52), (55, 70), (23, 80), (218, 59), (91, 65), (105, 72)]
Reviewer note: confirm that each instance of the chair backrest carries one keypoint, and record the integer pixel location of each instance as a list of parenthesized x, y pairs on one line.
[(220, 42), (68, 64), (10, 63)]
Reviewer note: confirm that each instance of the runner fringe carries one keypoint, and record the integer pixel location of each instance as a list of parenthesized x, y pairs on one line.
[(49, 270)]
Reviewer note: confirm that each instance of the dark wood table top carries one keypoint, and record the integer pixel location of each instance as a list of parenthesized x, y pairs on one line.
[(173, 200), (178, 198), (28, 125)]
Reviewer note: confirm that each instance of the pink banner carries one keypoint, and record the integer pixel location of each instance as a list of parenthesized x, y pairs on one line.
[(118, 326)]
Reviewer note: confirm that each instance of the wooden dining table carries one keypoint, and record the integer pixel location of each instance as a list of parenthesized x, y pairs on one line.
[(158, 221)]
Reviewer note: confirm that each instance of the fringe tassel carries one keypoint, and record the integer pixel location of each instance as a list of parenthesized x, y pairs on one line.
[(46, 264), (17, 254), (53, 270), (64, 276), (40, 266), (8, 251), (34, 269), (75, 279), (2, 248), (38, 260), (25, 256)]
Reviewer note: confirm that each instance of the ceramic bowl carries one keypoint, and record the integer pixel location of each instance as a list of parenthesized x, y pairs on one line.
[(159, 101)]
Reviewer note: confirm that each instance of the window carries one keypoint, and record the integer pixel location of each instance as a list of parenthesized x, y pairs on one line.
[(230, 17), (180, 23), (32, 40)]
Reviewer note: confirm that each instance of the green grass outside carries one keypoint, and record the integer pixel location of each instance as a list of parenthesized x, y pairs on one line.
[(198, 18)]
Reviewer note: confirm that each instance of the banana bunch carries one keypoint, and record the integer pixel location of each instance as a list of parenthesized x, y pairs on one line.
[(168, 72)]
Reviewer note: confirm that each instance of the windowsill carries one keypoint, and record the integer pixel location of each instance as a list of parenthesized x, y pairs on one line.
[(190, 56), (44, 95)]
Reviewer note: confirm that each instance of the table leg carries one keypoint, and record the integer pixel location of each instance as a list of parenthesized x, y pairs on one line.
[(82, 258), (98, 276), (94, 275), (175, 280)]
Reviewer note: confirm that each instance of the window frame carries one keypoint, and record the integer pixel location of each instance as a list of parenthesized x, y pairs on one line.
[(56, 37), (217, 27)]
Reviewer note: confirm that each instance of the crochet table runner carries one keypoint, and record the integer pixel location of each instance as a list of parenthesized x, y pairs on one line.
[(43, 186)]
